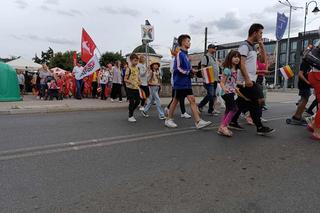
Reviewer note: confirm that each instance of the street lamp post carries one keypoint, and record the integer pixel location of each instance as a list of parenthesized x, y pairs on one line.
[(315, 11), (288, 4)]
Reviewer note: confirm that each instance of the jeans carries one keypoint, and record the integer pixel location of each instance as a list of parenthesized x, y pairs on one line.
[(210, 97), (154, 97), (43, 88), (79, 87)]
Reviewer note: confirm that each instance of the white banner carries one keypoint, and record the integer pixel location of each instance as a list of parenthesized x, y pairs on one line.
[(92, 66), (147, 33)]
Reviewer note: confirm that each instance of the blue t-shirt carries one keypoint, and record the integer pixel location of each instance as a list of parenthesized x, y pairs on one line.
[(181, 71)]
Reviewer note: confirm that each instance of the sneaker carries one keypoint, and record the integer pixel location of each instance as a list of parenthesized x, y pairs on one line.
[(132, 119), (216, 112), (185, 115), (162, 117), (309, 120), (200, 109), (235, 126), (141, 108), (170, 123), (265, 131), (120, 101), (112, 100), (264, 120), (144, 114), (213, 113), (202, 124)]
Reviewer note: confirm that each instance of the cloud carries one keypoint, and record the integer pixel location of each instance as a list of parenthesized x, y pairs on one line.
[(51, 2), (121, 11), (59, 40), (177, 21), (21, 4), (155, 11), (65, 13), (230, 21), (50, 39)]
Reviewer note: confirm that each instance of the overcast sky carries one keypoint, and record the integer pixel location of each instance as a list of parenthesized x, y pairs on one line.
[(30, 26)]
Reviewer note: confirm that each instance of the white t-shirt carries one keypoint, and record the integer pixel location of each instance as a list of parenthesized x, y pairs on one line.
[(77, 70), (249, 51), (21, 79), (143, 74)]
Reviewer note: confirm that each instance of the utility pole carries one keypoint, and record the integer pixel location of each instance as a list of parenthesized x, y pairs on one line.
[(205, 40)]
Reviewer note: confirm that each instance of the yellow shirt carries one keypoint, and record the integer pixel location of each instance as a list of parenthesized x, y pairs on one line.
[(132, 73), (94, 77)]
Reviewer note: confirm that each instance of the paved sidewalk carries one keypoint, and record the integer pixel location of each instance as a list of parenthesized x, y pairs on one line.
[(31, 105)]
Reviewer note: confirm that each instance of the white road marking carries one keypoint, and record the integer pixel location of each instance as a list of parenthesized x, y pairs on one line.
[(99, 142)]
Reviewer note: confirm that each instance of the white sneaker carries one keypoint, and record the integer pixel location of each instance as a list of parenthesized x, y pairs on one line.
[(170, 123), (141, 108), (132, 119), (144, 114), (185, 115), (202, 124), (120, 101), (112, 100), (264, 120)]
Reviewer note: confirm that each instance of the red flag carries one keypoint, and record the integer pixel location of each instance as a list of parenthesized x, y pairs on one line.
[(87, 47), (74, 58)]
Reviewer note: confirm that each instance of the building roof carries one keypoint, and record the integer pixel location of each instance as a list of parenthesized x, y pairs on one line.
[(142, 49)]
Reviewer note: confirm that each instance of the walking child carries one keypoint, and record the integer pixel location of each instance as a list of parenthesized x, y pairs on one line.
[(154, 87), (132, 80), (229, 85)]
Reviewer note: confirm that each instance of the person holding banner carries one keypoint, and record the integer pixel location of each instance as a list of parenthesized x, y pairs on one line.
[(104, 77), (132, 80), (210, 74), (182, 84), (77, 70)]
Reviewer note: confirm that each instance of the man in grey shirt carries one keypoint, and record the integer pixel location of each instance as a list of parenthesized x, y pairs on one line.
[(209, 60), (246, 80)]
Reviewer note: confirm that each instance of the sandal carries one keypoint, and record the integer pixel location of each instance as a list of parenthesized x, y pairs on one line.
[(224, 131)]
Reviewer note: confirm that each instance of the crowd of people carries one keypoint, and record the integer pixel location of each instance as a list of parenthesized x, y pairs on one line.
[(241, 83), (242, 91), (104, 83)]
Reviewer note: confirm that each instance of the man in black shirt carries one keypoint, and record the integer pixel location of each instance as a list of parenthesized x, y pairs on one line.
[(304, 92)]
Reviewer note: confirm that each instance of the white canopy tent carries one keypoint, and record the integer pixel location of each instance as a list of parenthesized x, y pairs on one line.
[(24, 64)]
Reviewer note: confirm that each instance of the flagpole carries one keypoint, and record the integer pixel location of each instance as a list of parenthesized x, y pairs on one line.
[(276, 64), (99, 52)]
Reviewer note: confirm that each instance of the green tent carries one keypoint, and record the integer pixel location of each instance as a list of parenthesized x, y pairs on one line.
[(9, 86)]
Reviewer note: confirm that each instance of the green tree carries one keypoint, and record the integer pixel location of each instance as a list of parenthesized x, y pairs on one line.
[(45, 57), (63, 60), (166, 78), (110, 57)]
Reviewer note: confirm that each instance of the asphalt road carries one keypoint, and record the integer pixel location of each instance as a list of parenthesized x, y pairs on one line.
[(98, 162)]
